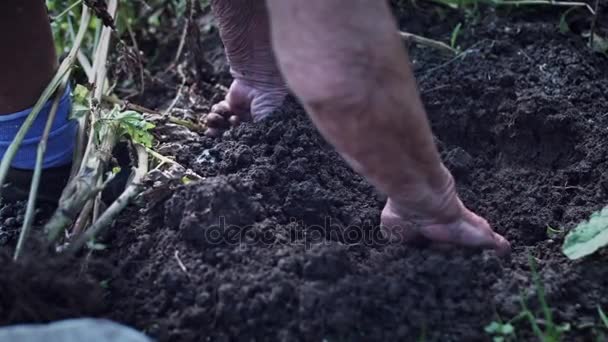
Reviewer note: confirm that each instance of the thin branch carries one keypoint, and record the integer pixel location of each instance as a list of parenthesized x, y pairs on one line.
[(545, 2), (129, 105), (180, 263), (180, 71), (139, 62), (182, 42), (31, 202), (143, 110), (66, 11), (86, 65), (166, 160), (82, 219), (593, 26), (412, 38), (97, 205)]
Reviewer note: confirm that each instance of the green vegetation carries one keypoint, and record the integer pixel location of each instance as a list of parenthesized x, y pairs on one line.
[(85, 34), (88, 35), (588, 236), (500, 332), (131, 15), (603, 317), (547, 331), (454, 36)]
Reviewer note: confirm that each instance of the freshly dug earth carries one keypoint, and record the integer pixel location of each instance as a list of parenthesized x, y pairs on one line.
[(280, 241)]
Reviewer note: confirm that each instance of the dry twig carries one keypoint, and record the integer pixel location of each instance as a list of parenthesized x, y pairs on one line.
[(412, 38)]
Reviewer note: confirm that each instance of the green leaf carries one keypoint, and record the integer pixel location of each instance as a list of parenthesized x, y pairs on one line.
[(563, 21), (78, 111), (496, 328), (455, 34), (81, 94), (134, 124), (80, 102), (128, 123), (492, 328), (588, 236), (507, 329), (603, 316)]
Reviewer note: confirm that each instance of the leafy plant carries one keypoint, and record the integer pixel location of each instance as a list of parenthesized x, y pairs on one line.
[(563, 20), (505, 331), (80, 106), (552, 332), (588, 236), (128, 123), (500, 332)]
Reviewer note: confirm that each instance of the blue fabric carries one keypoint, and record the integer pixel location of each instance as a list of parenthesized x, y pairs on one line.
[(62, 138)]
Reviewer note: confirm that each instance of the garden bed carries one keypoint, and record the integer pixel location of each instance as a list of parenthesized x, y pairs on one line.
[(521, 118)]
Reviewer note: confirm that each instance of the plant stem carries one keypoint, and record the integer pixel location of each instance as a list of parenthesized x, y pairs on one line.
[(101, 71), (593, 26), (101, 56), (165, 160), (119, 204), (182, 41), (31, 202), (86, 65), (540, 288), (143, 110), (84, 185), (66, 11), (82, 219)]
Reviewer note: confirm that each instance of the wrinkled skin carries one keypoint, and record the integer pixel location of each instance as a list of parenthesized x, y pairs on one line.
[(258, 87), (346, 64)]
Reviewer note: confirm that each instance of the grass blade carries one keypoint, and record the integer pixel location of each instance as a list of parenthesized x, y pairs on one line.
[(603, 316), (31, 202)]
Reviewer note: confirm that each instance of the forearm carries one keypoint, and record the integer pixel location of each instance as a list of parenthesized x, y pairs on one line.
[(28, 59), (386, 137), (352, 75)]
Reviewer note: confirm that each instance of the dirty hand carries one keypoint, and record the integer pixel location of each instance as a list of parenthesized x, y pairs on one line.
[(447, 223)]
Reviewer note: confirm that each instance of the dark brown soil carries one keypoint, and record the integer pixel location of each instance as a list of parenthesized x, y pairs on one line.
[(280, 241)]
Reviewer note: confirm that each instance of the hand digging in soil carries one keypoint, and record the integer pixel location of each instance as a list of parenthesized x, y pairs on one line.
[(346, 64)]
